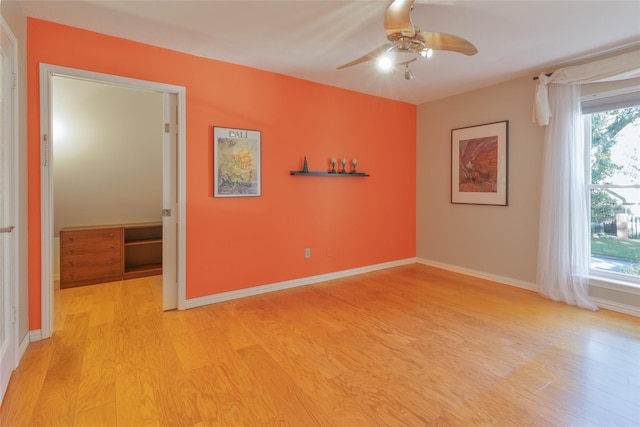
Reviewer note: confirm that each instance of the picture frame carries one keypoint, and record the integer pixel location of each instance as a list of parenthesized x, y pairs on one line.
[(237, 162), (479, 164)]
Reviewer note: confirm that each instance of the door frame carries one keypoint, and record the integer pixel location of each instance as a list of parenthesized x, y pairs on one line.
[(11, 270), (47, 71)]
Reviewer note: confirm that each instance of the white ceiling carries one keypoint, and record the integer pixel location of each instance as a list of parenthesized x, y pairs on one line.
[(308, 39)]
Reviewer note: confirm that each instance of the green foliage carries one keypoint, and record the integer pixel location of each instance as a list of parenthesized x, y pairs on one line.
[(603, 206), (623, 249), (605, 127), (628, 249)]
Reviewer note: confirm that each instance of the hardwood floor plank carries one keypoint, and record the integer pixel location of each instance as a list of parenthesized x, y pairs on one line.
[(101, 416), (96, 388), (103, 305), (213, 399), (392, 400), (344, 409), (407, 346), (273, 333), (226, 396), (176, 400), (135, 400), (326, 362), (69, 346), (297, 407), (97, 379), (186, 344), (228, 325), (56, 402), (16, 409)]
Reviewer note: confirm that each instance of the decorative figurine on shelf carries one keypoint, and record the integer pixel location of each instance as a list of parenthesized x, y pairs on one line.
[(344, 164), (333, 165), (305, 168), (354, 162)]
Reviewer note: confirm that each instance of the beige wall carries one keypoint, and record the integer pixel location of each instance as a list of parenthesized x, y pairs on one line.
[(107, 154), (496, 240), (13, 15)]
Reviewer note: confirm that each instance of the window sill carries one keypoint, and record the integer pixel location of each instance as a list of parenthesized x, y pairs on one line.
[(616, 283)]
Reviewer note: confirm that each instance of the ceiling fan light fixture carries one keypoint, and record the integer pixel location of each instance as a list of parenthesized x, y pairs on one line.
[(426, 53), (385, 63)]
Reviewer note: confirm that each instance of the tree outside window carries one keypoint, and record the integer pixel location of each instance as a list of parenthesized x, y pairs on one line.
[(615, 191)]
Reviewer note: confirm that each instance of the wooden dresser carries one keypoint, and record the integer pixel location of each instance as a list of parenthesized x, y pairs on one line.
[(99, 254), (90, 255)]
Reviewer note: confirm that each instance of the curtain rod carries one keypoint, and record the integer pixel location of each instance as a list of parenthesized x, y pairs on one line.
[(546, 74)]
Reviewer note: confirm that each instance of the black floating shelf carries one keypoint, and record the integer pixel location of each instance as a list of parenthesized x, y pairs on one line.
[(300, 173)]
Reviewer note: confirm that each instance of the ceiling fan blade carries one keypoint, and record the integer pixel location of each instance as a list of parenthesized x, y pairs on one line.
[(367, 57), (442, 41), (397, 19)]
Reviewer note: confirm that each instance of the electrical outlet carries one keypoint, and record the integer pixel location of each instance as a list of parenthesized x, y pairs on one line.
[(307, 252)]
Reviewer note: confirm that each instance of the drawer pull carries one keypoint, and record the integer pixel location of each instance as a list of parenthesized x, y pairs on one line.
[(71, 250), (110, 234), (71, 238)]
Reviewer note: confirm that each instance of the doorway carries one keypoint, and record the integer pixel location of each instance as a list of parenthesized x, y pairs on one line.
[(173, 188)]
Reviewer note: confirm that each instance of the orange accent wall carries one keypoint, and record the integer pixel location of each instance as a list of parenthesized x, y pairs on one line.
[(236, 243)]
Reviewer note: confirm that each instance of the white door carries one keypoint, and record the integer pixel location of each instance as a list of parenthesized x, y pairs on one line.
[(8, 242), (170, 203)]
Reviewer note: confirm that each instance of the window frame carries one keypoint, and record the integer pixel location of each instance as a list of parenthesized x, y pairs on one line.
[(594, 103)]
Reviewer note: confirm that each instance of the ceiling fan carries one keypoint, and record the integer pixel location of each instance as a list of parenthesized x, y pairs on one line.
[(404, 37)]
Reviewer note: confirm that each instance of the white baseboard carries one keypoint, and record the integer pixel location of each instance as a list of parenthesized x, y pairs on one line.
[(35, 335), (609, 304), (23, 347), (481, 274), (241, 293), (616, 306)]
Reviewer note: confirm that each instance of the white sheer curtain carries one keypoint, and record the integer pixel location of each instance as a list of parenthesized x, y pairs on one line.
[(563, 256), (563, 264)]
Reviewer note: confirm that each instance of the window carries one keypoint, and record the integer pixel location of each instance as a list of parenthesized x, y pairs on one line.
[(613, 139)]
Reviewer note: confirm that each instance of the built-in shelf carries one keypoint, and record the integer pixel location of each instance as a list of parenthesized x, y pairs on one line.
[(142, 250), (143, 242), (300, 173)]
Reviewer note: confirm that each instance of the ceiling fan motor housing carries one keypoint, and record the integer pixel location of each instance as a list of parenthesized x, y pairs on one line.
[(407, 44)]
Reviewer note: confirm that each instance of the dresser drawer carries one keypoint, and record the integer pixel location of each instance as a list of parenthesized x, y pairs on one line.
[(87, 248), (95, 273), (91, 236), (89, 259)]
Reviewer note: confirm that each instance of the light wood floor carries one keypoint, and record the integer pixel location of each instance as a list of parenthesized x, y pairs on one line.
[(409, 346)]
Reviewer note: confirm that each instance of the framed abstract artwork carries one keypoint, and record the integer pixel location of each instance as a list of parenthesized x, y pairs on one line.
[(236, 160), (479, 164)]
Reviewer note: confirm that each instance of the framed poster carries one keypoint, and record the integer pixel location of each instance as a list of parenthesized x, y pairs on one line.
[(479, 164), (236, 162)]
